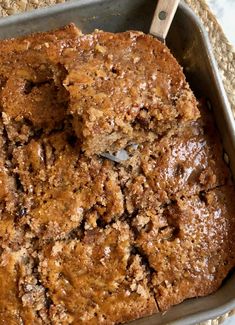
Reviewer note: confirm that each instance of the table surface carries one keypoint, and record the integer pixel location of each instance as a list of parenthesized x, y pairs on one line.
[(230, 321), (225, 13)]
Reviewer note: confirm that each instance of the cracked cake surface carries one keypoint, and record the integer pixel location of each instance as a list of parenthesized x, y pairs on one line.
[(100, 272), (188, 242), (85, 240)]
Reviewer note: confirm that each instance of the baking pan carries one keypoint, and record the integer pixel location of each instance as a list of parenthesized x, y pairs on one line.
[(189, 43)]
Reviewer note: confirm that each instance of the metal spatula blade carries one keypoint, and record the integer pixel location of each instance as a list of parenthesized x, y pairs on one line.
[(162, 19)]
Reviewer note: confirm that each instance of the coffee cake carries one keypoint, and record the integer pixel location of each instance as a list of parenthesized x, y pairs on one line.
[(84, 240)]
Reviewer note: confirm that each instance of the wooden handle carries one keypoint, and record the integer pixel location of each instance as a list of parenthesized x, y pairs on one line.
[(163, 17)]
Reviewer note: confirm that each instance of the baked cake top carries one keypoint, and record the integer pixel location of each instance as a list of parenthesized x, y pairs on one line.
[(120, 84), (86, 240)]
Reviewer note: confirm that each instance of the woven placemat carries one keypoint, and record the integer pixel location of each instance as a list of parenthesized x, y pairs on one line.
[(223, 50)]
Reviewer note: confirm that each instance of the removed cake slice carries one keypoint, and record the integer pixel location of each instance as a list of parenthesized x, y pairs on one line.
[(124, 88)]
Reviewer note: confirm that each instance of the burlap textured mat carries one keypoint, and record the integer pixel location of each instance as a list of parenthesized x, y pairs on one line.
[(223, 50)]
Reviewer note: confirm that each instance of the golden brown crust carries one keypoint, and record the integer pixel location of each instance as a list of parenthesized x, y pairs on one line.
[(121, 83), (8, 195), (99, 272), (187, 160), (32, 96), (61, 184), (189, 244), (22, 298), (85, 240)]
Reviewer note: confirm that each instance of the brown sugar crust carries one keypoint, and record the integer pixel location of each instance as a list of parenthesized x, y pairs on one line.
[(190, 246), (96, 280), (8, 196), (121, 83), (64, 187), (184, 162), (32, 95), (22, 298), (83, 239)]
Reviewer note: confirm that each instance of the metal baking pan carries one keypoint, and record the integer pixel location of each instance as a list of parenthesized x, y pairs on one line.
[(189, 43)]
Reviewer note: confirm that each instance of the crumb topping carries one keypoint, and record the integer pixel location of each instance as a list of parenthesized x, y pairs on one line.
[(84, 240)]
